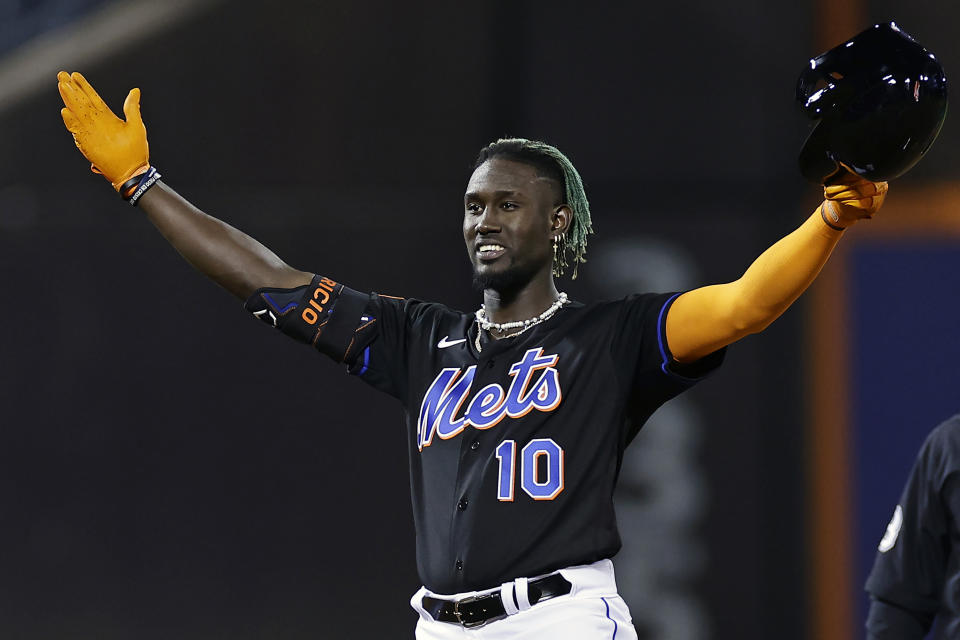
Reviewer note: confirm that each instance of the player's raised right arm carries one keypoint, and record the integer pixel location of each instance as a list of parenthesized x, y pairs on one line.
[(118, 149)]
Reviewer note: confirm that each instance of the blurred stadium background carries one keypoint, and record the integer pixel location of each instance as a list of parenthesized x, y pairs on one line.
[(171, 468)]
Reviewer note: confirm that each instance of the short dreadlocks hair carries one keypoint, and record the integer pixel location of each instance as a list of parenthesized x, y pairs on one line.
[(550, 163)]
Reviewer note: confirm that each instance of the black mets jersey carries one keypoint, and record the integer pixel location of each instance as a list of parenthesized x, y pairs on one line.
[(916, 574), (514, 450)]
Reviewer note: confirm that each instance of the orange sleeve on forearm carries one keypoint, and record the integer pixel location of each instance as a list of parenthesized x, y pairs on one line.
[(706, 319)]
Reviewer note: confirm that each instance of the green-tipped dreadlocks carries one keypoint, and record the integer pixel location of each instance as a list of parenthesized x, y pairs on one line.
[(548, 160)]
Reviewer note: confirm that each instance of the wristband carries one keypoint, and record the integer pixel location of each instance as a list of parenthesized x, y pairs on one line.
[(827, 222), (138, 185)]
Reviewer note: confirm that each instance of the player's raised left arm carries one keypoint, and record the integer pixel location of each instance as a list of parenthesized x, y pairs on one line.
[(706, 319)]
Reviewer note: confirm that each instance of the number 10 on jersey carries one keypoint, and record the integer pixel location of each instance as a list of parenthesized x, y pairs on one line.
[(541, 469)]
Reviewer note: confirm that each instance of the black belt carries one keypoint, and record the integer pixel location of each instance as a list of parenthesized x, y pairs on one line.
[(477, 611)]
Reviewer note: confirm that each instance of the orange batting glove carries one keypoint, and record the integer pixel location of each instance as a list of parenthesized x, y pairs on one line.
[(116, 149), (851, 198)]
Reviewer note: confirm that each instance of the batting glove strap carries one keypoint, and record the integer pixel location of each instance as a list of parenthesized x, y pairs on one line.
[(833, 216), (134, 188)]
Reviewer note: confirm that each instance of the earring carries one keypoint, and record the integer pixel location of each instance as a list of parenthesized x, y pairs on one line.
[(557, 267)]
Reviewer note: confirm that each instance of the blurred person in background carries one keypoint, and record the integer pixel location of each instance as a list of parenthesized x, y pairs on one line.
[(914, 585)]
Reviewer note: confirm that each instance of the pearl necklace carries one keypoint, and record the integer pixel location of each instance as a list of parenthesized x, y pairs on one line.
[(522, 325)]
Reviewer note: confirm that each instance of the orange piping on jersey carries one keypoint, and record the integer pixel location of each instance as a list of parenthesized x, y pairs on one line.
[(349, 346), (346, 353), (365, 325), (316, 336)]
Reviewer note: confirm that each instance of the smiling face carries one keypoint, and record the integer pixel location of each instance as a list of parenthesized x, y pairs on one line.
[(511, 214)]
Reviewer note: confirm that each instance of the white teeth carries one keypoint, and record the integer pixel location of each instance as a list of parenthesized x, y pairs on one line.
[(490, 247)]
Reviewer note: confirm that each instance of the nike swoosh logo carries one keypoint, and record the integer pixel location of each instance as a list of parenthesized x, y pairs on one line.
[(446, 342)]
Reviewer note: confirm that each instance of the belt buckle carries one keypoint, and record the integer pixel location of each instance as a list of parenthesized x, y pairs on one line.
[(468, 624)]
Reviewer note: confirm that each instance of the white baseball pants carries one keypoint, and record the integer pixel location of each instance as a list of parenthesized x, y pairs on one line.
[(591, 611)]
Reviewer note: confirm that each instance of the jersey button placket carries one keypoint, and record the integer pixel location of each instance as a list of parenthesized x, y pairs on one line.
[(460, 524)]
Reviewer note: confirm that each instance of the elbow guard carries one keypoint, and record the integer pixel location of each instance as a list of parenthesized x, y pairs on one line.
[(324, 314)]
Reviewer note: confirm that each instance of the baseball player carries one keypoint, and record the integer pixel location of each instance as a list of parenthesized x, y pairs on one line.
[(917, 569), (517, 415)]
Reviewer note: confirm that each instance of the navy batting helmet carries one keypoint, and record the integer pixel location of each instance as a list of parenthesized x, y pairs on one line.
[(878, 102)]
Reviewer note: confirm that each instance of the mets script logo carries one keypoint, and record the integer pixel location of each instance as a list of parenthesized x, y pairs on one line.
[(534, 386)]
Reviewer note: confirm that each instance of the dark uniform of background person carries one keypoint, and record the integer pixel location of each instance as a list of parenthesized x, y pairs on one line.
[(915, 582)]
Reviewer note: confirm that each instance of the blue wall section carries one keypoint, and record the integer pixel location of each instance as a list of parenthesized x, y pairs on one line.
[(905, 365)]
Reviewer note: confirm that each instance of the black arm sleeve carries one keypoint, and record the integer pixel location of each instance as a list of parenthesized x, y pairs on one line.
[(365, 331), (307, 314)]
